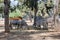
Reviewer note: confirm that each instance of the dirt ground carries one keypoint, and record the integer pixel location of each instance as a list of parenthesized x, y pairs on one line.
[(30, 35)]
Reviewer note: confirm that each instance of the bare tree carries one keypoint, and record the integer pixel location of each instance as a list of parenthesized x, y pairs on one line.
[(6, 15), (55, 10)]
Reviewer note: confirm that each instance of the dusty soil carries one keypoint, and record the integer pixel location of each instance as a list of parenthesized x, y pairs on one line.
[(30, 35)]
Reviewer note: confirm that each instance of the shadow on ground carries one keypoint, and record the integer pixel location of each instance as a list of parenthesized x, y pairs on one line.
[(25, 35)]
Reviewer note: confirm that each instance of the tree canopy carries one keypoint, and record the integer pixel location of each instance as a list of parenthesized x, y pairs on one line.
[(31, 4), (1, 7), (1, 1)]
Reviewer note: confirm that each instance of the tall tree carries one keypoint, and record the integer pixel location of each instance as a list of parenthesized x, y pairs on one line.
[(56, 10), (6, 15), (33, 5)]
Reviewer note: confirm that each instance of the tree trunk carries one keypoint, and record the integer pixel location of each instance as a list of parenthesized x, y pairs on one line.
[(56, 24), (35, 17), (35, 11), (6, 14), (56, 10)]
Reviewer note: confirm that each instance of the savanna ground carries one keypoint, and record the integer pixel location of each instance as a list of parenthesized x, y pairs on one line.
[(51, 34), (30, 35)]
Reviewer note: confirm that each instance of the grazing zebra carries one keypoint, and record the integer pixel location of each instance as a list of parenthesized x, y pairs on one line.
[(41, 23), (18, 23)]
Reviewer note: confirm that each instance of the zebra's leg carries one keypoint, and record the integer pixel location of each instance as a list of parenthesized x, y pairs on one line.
[(18, 26), (45, 26), (10, 26)]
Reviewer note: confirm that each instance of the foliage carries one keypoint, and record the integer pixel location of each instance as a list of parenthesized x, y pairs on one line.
[(1, 7), (15, 13), (31, 4), (1, 1)]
